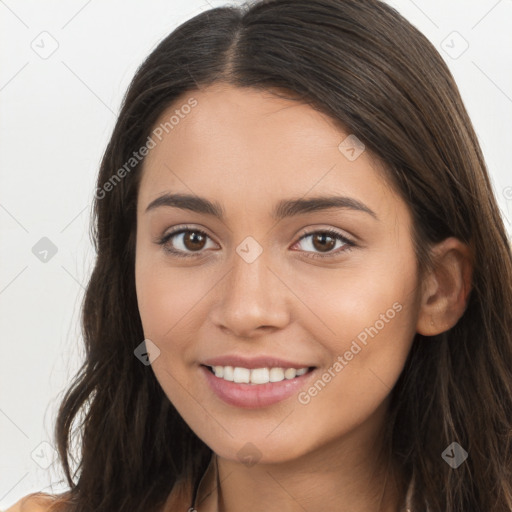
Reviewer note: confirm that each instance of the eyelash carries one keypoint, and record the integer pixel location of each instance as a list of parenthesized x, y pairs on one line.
[(349, 244)]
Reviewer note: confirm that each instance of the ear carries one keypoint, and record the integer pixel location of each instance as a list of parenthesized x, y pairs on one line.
[(446, 287)]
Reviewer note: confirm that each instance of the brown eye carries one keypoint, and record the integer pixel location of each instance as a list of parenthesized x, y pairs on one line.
[(323, 242), (189, 242), (194, 240), (184, 242)]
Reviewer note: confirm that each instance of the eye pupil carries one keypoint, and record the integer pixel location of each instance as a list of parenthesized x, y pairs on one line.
[(191, 240), (323, 246)]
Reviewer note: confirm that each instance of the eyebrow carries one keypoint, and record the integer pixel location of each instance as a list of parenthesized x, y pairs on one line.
[(283, 209)]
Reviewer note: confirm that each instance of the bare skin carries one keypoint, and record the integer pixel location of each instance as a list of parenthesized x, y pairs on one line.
[(247, 150)]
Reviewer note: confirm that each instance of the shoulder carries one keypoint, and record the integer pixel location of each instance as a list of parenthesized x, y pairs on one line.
[(36, 502)]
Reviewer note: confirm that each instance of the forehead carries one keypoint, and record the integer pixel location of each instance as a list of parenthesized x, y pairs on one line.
[(248, 143)]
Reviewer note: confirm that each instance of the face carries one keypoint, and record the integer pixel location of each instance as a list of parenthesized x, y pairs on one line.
[(266, 276)]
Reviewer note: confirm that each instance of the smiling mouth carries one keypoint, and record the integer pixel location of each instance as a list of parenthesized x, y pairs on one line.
[(257, 376)]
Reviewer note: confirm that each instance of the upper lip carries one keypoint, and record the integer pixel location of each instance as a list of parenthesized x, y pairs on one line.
[(254, 362)]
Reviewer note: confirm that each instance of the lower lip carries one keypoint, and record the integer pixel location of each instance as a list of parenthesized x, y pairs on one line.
[(251, 396)]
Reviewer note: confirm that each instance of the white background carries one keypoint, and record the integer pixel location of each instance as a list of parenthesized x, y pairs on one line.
[(56, 117)]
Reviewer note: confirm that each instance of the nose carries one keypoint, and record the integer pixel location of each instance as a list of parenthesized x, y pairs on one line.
[(252, 299)]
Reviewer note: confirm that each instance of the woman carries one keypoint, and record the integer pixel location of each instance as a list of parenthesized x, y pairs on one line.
[(302, 293)]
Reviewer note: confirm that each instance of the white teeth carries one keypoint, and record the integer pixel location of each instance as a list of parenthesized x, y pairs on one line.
[(276, 374), (228, 373), (241, 375), (289, 373), (257, 375)]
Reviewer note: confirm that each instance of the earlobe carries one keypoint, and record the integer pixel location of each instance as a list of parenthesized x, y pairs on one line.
[(446, 288)]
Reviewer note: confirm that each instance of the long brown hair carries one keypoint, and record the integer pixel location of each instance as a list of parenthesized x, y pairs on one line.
[(361, 63)]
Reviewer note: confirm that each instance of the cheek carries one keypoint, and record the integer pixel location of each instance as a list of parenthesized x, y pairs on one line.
[(165, 296), (343, 302), (374, 326), (166, 300), (367, 316)]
